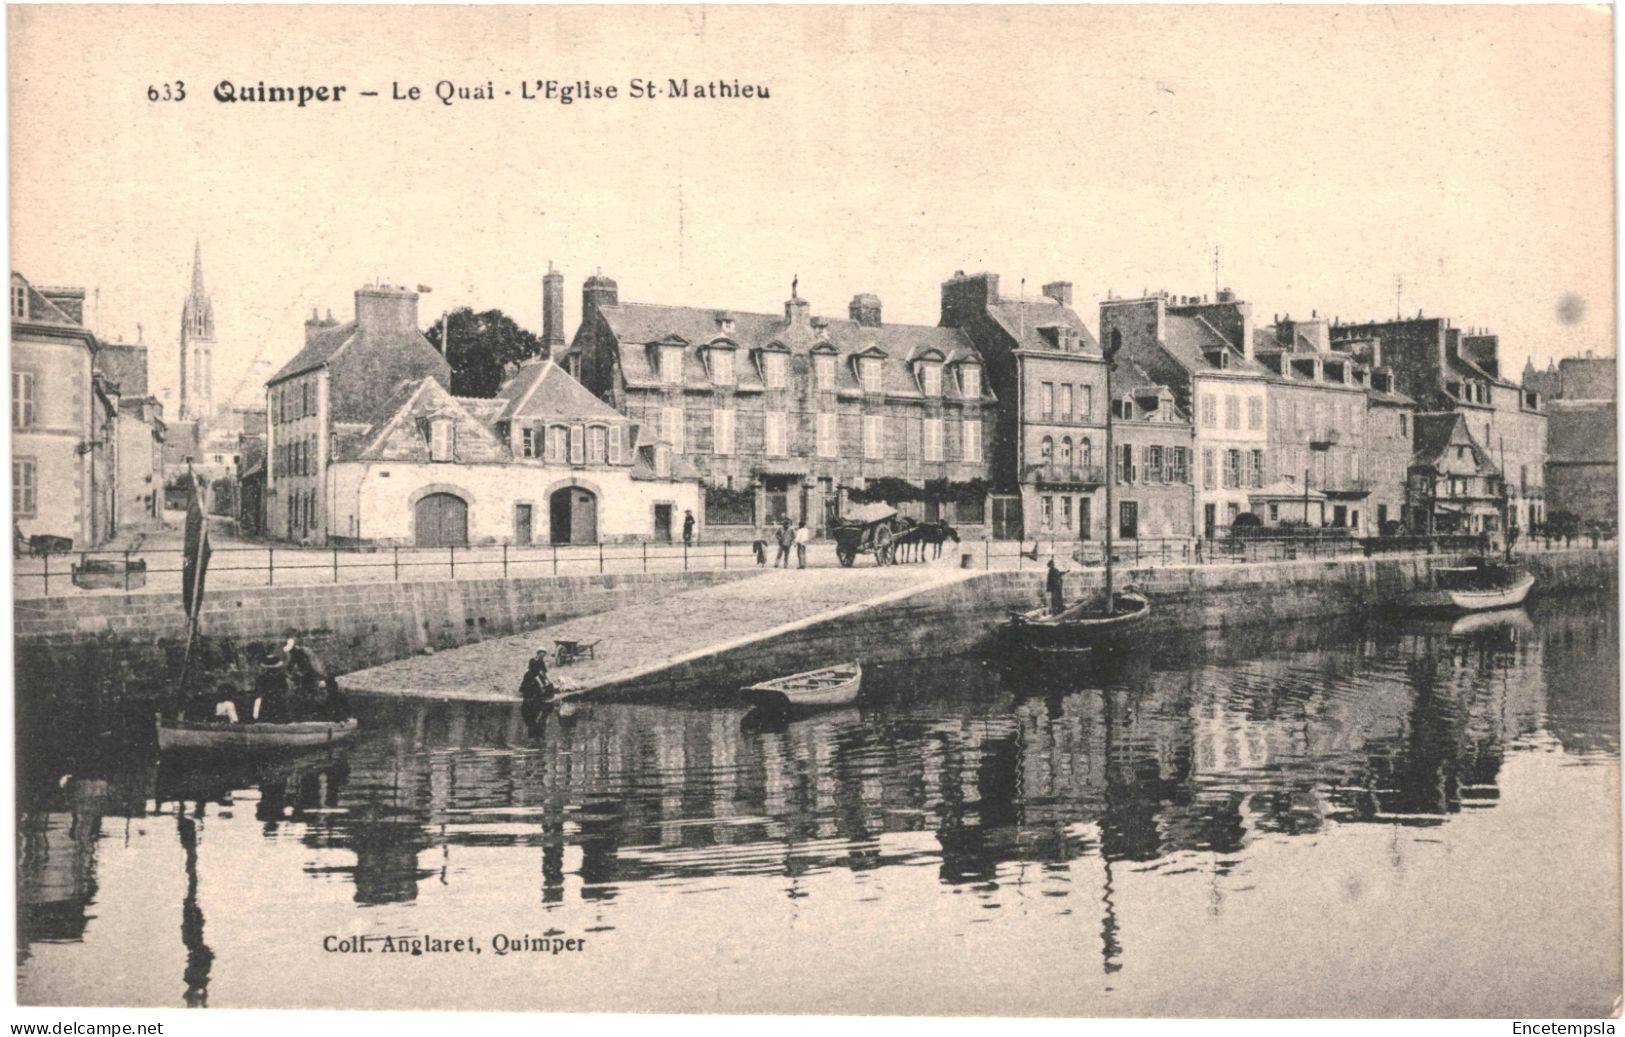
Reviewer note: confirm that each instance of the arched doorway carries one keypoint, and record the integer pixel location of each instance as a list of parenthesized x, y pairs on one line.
[(573, 515), (441, 520)]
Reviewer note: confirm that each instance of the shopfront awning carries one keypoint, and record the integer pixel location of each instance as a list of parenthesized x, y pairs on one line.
[(795, 469), (1284, 491)]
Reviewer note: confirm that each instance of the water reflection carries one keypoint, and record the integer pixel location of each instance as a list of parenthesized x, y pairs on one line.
[(1006, 772)]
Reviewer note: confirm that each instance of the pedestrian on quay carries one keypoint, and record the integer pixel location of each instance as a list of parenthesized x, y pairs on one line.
[(803, 537), (759, 545), (784, 537), (1052, 584), (688, 528)]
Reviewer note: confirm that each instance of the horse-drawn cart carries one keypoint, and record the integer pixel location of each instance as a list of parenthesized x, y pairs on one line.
[(866, 528)]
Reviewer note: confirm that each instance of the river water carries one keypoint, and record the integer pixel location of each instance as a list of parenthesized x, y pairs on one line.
[(1412, 817)]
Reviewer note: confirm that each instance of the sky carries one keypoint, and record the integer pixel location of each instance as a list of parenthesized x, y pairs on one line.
[(1323, 150)]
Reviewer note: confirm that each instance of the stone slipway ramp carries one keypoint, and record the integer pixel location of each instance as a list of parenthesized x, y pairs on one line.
[(638, 642)]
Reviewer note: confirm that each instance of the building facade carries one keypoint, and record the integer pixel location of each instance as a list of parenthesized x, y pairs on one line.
[(1203, 353), (785, 416), (1582, 467), (545, 462), (1454, 487), (140, 432), (1444, 369), (333, 388), (64, 442)]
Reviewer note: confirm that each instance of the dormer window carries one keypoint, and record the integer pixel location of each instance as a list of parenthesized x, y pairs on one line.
[(824, 364), (441, 439), (931, 379), (722, 365), (870, 371), (773, 370), (671, 365), (970, 381), (19, 302), (597, 444)]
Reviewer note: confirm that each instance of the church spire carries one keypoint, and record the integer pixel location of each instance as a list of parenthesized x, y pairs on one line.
[(197, 269)]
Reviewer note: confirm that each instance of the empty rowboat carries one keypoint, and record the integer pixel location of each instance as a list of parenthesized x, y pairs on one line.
[(830, 686), (221, 735)]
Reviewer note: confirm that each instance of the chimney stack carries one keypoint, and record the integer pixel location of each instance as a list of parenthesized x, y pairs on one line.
[(597, 291), (552, 312), (865, 310), (381, 309), (1060, 291)]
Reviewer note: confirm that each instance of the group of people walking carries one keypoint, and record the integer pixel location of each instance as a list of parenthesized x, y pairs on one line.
[(786, 538)]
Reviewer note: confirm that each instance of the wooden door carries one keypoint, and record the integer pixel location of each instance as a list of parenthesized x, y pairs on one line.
[(583, 517), (521, 524), (441, 520), (663, 522)]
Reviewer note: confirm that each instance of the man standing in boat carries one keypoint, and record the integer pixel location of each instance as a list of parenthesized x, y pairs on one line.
[(1052, 584)]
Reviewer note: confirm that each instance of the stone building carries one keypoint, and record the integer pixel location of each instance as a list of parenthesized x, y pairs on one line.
[(64, 420), (1582, 467), (333, 386), (140, 429), (545, 462), (785, 415), (1203, 352), (1046, 368), (1444, 370)]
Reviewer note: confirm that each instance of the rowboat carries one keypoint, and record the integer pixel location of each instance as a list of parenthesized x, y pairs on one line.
[(222, 735), (1474, 588), (830, 686), (1081, 627)]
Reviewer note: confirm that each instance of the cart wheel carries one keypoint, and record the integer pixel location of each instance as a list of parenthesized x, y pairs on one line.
[(883, 546), (846, 558)]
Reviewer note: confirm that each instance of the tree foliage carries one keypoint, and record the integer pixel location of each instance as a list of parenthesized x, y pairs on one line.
[(482, 345)]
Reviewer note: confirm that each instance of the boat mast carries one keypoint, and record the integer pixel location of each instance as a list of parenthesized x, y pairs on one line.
[(1110, 352), (1506, 499)]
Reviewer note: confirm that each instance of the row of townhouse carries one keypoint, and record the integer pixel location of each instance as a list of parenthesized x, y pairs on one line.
[(87, 437), (993, 419)]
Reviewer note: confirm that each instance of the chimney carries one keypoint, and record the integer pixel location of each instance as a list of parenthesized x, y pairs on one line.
[(964, 297), (1060, 291), (796, 310), (386, 310), (1226, 295), (552, 311), (865, 310), (597, 291), (316, 325)]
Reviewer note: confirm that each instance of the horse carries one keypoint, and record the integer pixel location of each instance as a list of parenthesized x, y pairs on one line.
[(920, 535)]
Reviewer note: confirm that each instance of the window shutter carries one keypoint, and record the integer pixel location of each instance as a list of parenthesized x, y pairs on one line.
[(578, 444), (615, 435)]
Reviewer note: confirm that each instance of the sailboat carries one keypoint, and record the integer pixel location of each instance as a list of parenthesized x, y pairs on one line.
[(1487, 583), (1087, 624), (218, 734)]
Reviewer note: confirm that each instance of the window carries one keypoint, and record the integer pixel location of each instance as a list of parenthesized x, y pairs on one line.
[(971, 430), (1046, 397), (1066, 512), (671, 365), (597, 444), (775, 434), (1065, 458), (825, 364), (826, 434), (970, 381), (870, 368), (1210, 410), (1153, 465), (773, 370), (1046, 451), (722, 428), (1209, 479), (558, 443), (1255, 412), (931, 379), (722, 366), (1049, 512), (933, 439), (1256, 470), (671, 427), (1232, 412), (440, 437), (578, 445), (1232, 469), (1178, 465), (24, 500), (1066, 403), (1086, 452), (1403, 431), (19, 302), (872, 430), (1088, 402), (616, 437), (1125, 463), (23, 414), (532, 442)]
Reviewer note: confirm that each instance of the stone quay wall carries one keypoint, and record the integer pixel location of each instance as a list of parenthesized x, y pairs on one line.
[(947, 619), (129, 647)]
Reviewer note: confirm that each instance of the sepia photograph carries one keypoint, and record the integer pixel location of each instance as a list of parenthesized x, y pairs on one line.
[(1004, 511)]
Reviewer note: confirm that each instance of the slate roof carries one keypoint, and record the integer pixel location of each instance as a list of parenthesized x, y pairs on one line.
[(1434, 434), (543, 387), (1190, 338), (1024, 320), (125, 366), (318, 351), (638, 325)]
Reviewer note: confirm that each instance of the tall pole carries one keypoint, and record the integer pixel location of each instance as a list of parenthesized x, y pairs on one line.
[(1111, 473)]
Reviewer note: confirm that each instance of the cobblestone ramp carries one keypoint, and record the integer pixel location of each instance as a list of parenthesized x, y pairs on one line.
[(643, 639)]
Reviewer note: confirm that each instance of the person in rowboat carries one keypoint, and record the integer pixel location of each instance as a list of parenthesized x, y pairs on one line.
[(316, 694), (1052, 584), (271, 689), (536, 690)]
